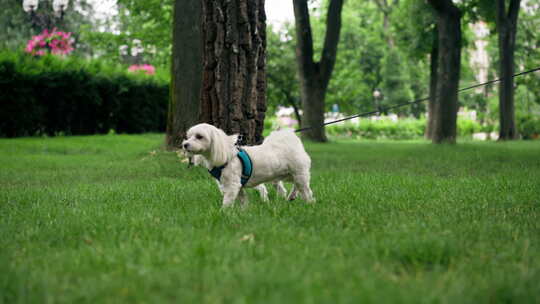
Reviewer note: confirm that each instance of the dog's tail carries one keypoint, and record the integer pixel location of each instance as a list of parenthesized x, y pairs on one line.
[(283, 137)]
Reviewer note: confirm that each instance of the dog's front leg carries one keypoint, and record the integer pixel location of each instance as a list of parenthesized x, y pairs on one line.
[(263, 192), (220, 187), (230, 192)]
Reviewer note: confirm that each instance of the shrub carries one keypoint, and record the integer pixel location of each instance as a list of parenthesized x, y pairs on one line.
[(466, 127), (380, 129), (52, 96), (408, 128), (528, 126)]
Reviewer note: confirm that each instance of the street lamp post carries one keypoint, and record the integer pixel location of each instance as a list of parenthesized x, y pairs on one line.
[(377, 97), (30, 5), (59, 7), (44, 20)]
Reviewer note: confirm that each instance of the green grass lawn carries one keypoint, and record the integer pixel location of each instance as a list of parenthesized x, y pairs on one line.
[(113, 219)]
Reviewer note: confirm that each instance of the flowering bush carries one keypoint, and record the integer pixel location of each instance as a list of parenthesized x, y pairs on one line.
[(55, 42), (146, 68)]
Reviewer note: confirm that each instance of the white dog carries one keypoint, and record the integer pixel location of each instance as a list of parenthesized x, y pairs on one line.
[(280, 157)]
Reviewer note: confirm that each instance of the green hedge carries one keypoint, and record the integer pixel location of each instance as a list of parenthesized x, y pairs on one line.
[(402, 129), (378, 129), (52, 95)]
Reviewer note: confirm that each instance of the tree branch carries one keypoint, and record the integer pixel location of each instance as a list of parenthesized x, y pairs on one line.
[(333, 27), (442, 5), (513, 11), (501, 13), (382, 4), (304, 46)]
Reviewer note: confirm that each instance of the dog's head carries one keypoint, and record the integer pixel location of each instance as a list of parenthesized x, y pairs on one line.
[(210, 142)]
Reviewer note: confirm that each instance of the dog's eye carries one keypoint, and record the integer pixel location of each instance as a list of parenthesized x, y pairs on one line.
[(198, 136)]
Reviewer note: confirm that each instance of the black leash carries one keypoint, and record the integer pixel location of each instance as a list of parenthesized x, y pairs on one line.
[(416, 101)]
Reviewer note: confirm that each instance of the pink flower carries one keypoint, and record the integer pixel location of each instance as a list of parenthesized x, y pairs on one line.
[(146, 68), (29, 46), (54, 42)]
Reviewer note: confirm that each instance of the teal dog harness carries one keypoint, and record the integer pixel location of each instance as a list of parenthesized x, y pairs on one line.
[(247, 167)]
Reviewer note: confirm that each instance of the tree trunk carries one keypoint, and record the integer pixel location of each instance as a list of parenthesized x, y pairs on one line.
[(315, 76), (445, 110), (507, 27), (186, 71), (234, 75), (434, 64), (314, 109), (386, 9)]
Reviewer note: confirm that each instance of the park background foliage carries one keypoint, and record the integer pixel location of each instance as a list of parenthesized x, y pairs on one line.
[(379, 49)]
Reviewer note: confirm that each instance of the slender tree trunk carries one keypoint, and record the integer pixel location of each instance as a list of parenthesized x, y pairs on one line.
[(386, 27), (315, 76), (386, 8), (507, 27), (434, 64), (292, 101), (186, 71), (445, 110), (234, 75), (296, 112)]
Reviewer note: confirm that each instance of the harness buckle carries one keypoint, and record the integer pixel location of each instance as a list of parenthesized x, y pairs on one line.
[(239, 140)]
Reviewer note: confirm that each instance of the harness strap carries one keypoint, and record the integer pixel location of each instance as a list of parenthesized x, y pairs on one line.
[(247, 167), (216, 171)]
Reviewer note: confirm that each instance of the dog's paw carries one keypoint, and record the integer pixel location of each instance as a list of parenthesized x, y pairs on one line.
[(293, 194)]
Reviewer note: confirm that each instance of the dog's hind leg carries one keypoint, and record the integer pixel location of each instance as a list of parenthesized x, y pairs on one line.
[(281, 191), (293, 194)]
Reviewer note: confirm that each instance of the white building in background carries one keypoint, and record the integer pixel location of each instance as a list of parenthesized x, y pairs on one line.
[(479, 55)]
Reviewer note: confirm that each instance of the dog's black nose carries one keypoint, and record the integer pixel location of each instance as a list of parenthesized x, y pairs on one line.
[(186, 145)]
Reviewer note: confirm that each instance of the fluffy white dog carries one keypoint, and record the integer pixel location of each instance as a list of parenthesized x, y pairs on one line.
[(280, 157)]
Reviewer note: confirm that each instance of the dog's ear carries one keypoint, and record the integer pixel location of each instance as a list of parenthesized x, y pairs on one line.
[(220, 147), (234, 138)]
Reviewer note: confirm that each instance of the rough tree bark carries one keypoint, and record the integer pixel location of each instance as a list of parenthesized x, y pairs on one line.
[(449, 55), (233, 95), (186, 71), (506, 21), (314, 76)]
